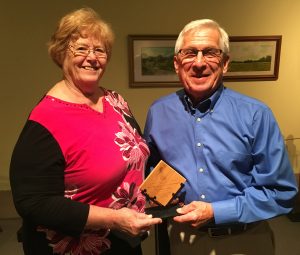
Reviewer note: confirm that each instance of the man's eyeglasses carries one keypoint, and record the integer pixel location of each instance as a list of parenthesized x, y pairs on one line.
[(209, 54), (81, 50)]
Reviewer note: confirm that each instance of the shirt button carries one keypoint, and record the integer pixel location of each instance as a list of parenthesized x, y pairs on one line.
[(198, 119), (199, 144), (202, 196), (201, 170)]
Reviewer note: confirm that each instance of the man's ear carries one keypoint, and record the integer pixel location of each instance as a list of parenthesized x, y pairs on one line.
[(226, 61), (175, 61)]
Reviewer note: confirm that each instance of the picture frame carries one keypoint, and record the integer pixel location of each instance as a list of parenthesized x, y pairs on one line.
[(151, 61), (252, 58)]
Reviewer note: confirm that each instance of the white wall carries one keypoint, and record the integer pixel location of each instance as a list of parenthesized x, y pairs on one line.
[(27, 72)]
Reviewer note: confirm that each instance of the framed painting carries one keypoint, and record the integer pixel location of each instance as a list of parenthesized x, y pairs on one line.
[(254, 58), (151, 61)]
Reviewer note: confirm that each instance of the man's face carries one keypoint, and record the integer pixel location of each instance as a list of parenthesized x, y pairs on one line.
[(201, 75)]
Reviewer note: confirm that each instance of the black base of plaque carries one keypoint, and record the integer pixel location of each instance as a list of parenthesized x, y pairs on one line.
[(163, 211)]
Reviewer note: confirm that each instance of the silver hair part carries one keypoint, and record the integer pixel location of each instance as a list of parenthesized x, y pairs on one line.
[(204, 23)]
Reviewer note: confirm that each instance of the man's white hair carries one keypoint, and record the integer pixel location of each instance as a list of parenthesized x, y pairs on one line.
[(200, 24)]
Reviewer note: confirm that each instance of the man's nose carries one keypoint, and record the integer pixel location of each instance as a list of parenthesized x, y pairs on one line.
[(199, 58)]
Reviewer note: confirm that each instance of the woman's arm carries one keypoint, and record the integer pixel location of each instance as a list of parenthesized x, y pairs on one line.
[(37, 182), (124, 220)]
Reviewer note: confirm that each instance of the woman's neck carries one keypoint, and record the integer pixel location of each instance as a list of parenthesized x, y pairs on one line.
[(87, 95), (71, 93)]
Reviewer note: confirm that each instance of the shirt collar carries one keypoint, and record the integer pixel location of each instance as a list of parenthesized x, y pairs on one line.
[(204, 106)]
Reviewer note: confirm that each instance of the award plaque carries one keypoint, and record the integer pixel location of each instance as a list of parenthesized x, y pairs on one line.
[(161, 186)]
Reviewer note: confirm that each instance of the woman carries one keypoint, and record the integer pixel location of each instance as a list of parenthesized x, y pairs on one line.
[(79, 161)]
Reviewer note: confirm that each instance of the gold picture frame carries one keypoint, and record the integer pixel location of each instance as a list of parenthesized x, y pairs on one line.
[(252, 58), (151, 61)]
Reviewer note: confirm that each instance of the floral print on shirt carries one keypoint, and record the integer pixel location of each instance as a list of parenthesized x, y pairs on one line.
[(89, 242), (130, 196), (117, 102), (133, 147)]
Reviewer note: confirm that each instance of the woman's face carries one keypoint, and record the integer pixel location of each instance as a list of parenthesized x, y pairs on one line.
[(85, 62)]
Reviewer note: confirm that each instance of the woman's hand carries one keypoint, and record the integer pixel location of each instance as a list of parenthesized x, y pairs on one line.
[(124, 220), (132, 222)]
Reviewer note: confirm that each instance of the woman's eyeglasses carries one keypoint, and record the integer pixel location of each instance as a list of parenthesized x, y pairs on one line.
[(81, 50)]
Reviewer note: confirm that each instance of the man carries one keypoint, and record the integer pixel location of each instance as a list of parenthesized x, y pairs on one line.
[(229, 148)]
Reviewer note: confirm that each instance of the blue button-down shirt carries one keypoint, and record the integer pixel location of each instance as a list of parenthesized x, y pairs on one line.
[(230, 150)]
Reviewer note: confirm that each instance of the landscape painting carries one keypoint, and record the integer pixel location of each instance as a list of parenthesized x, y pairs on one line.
[(254, 58), (151, 61), (157, 60)]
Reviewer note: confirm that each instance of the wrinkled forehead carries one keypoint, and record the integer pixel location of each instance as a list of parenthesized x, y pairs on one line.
[(201, 37), (87, 34), (88, 41)]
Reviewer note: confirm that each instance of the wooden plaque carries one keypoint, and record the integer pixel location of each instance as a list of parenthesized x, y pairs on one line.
[(162, 184)]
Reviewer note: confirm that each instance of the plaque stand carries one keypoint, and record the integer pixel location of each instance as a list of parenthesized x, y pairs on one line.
[(161, 186)]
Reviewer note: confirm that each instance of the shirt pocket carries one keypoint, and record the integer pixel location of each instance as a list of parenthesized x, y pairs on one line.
[(234, 162)]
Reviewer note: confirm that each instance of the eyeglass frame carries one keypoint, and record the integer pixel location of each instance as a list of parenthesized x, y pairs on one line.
[(89, 50), (203, 51)]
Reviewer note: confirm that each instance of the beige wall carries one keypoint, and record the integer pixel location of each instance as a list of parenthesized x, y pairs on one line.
[(27, 72)]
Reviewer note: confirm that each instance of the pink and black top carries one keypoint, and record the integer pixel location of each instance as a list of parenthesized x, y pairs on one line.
[(68, 156)]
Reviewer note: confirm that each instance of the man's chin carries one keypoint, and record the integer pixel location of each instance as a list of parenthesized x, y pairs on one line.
[(200, 80), (201, 84)]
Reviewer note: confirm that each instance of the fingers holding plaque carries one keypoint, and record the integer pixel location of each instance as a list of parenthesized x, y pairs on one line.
[(161, 186)]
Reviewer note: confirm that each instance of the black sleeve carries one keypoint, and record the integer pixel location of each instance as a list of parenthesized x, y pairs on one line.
[(153, 159), (133, 123), (37, 183)]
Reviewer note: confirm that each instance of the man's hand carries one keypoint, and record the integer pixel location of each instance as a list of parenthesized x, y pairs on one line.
[(196, 213)]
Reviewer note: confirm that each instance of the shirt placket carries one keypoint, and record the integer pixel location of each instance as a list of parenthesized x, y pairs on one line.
[(201, 171)]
